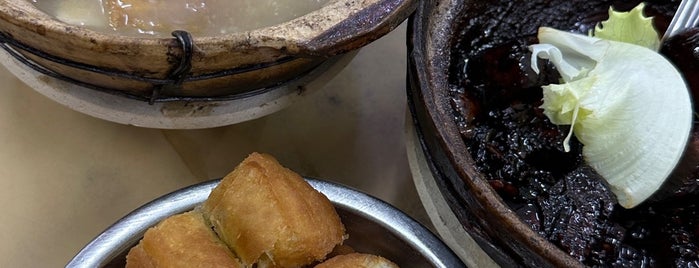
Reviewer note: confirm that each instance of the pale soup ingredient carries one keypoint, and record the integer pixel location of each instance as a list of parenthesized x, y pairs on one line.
[(626, 103), (161, 17), (629, 27)]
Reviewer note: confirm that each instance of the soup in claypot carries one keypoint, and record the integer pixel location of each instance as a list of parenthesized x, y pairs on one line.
[(161, 17)]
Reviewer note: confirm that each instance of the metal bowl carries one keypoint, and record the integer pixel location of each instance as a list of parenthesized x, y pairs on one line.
[(373, 227)]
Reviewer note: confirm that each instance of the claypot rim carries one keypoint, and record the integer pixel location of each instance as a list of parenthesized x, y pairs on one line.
[(321, 34), (432, 34)]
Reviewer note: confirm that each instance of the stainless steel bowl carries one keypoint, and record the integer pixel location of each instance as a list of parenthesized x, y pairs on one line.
[(373, 227)]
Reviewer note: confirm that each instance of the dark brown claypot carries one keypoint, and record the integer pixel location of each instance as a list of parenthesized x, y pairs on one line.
[(220, 65), (489, 220), (434, 30)]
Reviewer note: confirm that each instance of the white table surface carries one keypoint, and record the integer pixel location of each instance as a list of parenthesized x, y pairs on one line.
[(66, 176)]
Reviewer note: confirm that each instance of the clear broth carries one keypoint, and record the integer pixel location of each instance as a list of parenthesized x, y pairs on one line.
[(161, 17)]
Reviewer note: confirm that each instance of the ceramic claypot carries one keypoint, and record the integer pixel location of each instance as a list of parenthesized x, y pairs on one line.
[(197, 66), (439, 31)]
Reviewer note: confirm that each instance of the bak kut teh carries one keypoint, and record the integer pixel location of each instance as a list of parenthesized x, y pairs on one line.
[(159, 18), (585, 124)]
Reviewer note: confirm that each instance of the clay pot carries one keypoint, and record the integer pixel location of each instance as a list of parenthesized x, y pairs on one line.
[(435, 28), (220, 65)]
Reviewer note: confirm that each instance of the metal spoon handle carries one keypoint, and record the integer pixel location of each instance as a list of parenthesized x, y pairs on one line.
[(687, 16)]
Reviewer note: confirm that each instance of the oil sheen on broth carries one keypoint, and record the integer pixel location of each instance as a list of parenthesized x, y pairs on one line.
[(161, 17)]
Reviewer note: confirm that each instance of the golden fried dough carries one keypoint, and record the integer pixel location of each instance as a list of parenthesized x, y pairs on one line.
[(138, 258), (357, 260), (260, 215), (269, 215), (183, 240)]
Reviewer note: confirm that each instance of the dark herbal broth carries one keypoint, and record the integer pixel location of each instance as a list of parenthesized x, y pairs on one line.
[(496, 96)]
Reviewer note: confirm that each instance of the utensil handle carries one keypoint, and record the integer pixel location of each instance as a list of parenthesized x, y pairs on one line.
[(686, 16)]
